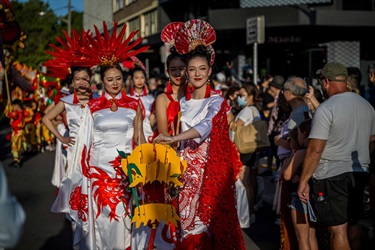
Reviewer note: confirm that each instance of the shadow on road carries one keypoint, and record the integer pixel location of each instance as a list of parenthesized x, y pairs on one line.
[(62, 241)]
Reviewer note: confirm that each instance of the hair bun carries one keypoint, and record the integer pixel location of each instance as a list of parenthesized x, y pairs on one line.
[(172, 50)]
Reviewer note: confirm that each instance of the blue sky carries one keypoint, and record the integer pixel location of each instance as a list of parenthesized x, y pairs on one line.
[(60, 7)]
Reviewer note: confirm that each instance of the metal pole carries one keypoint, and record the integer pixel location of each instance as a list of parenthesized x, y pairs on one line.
[(70, 17), (255, 63)]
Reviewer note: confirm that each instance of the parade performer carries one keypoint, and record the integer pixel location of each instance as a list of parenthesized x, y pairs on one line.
[(66, 108), (94, 192), (37, 122), (29, 139), (207, 203), (162, 234), (167, 106), (139, 90), (14, 111)]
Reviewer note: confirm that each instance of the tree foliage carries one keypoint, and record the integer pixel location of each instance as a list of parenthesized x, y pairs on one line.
[(41, 26)]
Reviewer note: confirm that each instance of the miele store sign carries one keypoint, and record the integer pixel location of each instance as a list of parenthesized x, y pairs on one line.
[(284, 39)]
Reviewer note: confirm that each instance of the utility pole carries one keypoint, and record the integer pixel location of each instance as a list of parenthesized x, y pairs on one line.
[(68, 20), (70, 17)]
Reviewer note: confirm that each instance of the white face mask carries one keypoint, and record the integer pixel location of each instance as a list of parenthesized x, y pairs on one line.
[(241, 101)]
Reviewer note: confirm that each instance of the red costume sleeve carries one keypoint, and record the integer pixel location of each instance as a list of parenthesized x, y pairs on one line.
[(217, 207)]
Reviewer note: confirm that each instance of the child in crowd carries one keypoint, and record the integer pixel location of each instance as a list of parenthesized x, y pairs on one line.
[(290, 171)]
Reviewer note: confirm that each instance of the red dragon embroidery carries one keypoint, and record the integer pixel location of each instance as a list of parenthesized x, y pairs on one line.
[(109, 191), (78, 200)]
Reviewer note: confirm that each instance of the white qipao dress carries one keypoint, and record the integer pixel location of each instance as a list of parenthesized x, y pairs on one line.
[(95, 192), (73, 114), (148, 102), (207, 205), (60, 157)]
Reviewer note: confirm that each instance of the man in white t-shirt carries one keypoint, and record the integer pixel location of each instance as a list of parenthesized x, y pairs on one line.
[(338, 158)]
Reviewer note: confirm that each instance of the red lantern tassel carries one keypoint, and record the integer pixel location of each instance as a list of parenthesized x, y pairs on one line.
[(151, 242)]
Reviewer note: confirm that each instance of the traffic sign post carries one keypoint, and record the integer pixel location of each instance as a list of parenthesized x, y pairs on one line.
[(255, 30), (255, 36)]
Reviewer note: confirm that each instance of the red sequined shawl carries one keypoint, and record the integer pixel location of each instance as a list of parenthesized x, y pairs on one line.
[(217, 207)]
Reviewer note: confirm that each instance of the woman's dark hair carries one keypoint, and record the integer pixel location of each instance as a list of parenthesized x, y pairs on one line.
[(136, 69), (251, 89), (305, 126), (74, 69), (174, 55), (105, 68), (231, 90), (199, 51), (293, 134)]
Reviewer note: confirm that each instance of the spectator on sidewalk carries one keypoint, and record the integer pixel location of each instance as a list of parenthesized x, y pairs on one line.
[(275, 119), (338, 158), (294, 91), (290, 172)]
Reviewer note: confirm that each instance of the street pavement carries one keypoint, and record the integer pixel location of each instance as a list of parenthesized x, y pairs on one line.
[(45, 230)]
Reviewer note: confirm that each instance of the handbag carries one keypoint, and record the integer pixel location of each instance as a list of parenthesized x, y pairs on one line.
[(252, 137)]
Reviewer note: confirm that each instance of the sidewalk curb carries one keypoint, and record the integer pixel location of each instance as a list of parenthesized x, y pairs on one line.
[(249, 243)]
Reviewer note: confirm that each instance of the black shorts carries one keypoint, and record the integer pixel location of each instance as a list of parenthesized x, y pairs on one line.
[(343, 198), (372, 163)]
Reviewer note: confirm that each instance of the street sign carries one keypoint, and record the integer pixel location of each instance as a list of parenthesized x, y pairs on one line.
[(255, 30)]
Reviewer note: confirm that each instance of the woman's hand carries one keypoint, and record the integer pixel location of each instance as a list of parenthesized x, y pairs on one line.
[(68, 140), (162, 139)]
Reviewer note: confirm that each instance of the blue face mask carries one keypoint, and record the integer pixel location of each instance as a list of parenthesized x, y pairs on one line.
[(241, 101)]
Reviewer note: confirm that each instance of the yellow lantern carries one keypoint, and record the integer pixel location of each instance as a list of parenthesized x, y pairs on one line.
[(149, 163)]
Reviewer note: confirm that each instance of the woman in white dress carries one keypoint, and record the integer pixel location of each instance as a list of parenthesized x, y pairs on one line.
[(250, 102), (71, 107), (139, 90), (94, 191), (207, 204)]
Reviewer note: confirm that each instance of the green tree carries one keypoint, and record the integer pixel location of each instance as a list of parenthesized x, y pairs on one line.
[(41, 26)]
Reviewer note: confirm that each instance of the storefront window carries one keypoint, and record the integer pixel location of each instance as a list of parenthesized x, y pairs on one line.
[(150, 23), (134, 25), (119, 4)]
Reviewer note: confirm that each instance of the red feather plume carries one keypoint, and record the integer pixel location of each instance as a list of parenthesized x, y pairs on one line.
[(70, 54), (109, 50)]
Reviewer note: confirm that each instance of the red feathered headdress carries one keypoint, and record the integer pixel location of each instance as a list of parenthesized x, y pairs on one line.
[(86, 51), (71, 53), (111, 49)]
